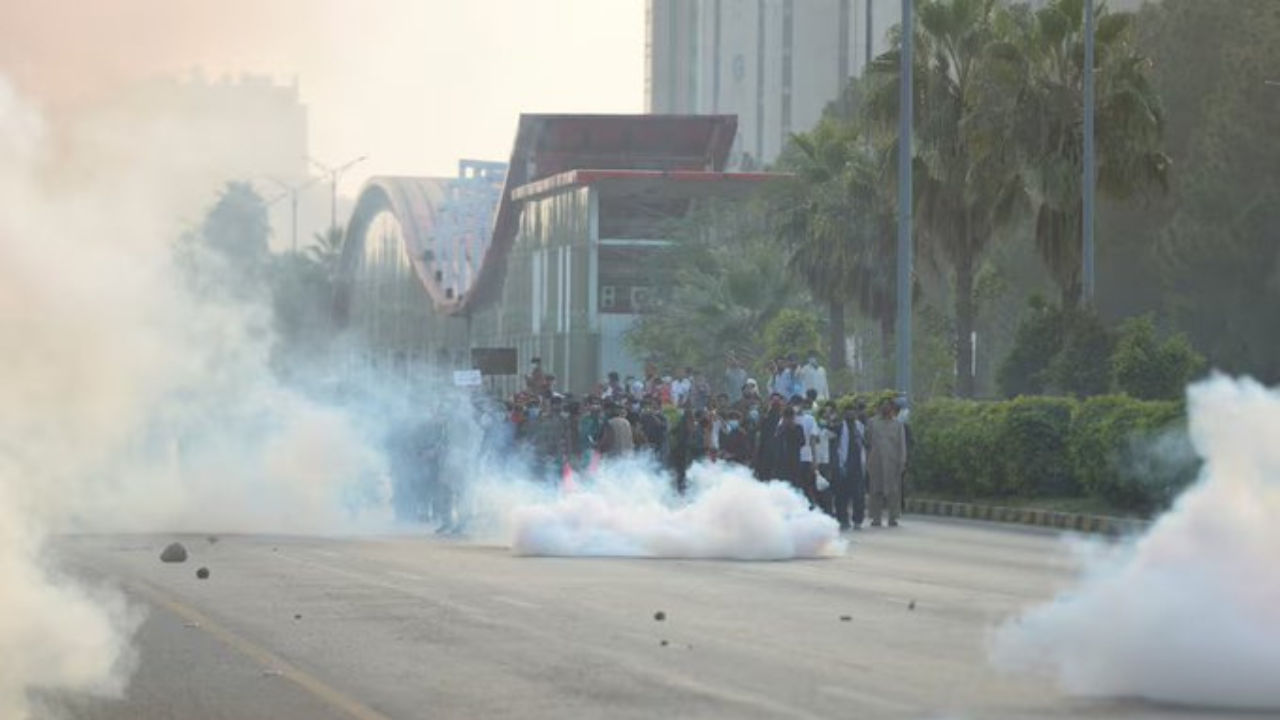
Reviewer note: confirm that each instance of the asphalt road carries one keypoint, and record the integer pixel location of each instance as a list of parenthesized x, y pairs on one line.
[(410, 627)]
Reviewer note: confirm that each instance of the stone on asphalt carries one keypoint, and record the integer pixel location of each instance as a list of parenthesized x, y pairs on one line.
[(203, 573), (659, 616), (846, 618), (912, 605), (174, 553)]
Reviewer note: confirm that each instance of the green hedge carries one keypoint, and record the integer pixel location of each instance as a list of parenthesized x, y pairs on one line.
[(1133, 454)]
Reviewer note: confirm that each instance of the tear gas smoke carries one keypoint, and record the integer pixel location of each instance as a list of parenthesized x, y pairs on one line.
[(632, 512), (1190, 612), (128, 403), (133, 400)]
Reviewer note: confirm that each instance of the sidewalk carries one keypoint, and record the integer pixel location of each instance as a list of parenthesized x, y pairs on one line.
[(1099, 524)]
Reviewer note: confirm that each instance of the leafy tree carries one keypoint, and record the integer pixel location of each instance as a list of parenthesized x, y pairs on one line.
[(1040, 63), (1214, 242), (967, 175), (1038, 339), (1082, 367), (721, 286), (791, 332), (1147, 369), (325, 251), (836, 223), (229, 256)]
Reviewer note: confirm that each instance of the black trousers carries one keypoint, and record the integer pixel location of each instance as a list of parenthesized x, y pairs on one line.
[(851, 494)]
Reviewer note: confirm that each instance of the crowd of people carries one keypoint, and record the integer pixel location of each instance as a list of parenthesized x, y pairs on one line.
[(786, 431)]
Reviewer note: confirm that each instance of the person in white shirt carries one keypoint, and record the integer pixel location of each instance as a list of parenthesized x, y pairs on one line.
[(680, 388), (808, 476), (814, 377)]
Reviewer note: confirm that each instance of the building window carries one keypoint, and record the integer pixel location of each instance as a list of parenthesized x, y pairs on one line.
[(608, 297)]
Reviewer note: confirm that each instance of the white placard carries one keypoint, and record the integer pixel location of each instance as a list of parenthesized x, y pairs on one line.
[(467, 378)]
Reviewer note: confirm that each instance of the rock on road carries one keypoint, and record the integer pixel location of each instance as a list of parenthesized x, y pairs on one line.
[(409, 627)]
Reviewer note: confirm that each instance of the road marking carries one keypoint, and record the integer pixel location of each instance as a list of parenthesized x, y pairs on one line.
[(274, 664)]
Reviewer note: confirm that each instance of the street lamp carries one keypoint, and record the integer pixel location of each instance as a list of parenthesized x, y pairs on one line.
[(291, 191), (906, 114), (1090, 175), (334, 173)]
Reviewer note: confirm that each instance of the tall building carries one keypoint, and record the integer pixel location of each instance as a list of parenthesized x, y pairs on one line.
[(192, 135), (773, 63)]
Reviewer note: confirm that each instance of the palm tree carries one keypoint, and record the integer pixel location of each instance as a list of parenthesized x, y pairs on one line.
[(326, 251), (1043, 59), (833, 218), (967, 181)]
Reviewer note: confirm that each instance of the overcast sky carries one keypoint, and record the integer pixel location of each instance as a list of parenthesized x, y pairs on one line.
[(415, 84)]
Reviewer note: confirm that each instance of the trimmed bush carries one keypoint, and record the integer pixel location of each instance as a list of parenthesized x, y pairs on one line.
[(1034, 447), (1132, 454)]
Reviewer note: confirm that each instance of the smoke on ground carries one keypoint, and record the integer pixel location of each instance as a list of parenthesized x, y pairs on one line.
[(633, 512), (1189, 613)]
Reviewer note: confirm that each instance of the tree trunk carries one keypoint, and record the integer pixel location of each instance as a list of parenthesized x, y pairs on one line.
[(836, 341), (965, 312)]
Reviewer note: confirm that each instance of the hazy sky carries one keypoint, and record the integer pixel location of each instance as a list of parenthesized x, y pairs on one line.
[(415, 84)]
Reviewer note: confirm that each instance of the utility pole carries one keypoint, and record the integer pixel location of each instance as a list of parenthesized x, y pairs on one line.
[(291, 191), (334, 173), (1090, 175), (906, 117)]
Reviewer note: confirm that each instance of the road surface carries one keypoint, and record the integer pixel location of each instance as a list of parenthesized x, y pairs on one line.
[(410, 627)]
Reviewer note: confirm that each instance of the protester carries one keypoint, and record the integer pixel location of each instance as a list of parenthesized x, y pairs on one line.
[(681, 386), (735, 376), (886, 461), (655, 427), (735, 444), (548, 433), (814, 377), (790, 443), (618, 439), (851, 488), (768, 448), (809, 451)]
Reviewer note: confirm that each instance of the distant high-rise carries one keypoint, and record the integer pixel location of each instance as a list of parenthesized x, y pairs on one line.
[(774, 63)]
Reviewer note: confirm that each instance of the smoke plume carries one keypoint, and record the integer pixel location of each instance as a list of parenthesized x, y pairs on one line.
[(632, 512), (129, 402), (1190, 612)]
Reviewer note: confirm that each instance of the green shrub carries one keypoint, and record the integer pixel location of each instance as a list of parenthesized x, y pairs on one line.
[(1034, 447), (1143, 367), (955, 443), (1132, 453)]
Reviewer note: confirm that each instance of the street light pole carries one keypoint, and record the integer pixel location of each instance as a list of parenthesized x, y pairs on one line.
[(1090, 175), (334, 173), (292, 191), (906, 122)]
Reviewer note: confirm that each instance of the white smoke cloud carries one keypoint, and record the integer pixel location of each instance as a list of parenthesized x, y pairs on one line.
[(1190, 612), (127, 403), (631, 511)]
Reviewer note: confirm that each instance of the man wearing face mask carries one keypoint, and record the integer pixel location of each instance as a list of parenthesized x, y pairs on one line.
[(736, 446)]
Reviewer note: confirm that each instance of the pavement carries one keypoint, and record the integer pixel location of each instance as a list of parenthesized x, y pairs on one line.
[(401, 628)]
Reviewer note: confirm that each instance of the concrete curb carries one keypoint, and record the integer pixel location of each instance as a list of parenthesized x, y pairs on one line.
[(1099, 524)]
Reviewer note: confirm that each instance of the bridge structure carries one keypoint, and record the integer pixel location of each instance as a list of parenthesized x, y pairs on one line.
[(554, 253)]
